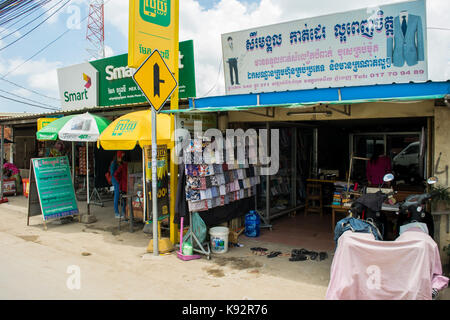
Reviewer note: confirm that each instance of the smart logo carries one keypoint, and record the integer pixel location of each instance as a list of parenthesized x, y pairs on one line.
[(81, 95), (88, 81), (155, 11)]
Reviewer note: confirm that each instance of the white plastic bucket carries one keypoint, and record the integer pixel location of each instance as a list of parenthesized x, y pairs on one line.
[(219, 239)]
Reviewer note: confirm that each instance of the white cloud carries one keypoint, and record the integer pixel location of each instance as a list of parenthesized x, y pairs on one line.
[(32, 67), (47, 81), (22, 92), (39, 75)]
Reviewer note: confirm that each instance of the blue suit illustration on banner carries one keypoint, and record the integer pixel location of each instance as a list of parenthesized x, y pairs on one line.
[(407, 45)]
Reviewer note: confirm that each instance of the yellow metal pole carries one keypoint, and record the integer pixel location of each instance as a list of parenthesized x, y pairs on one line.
[(174, 106)]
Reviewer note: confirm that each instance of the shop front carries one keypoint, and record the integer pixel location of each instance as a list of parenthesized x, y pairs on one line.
[(326, 138)]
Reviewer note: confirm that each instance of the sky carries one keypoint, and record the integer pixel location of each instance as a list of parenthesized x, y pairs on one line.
[(202, 21)]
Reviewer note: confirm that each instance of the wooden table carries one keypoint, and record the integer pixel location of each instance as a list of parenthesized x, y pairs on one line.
[(385, 207), (335, 209), (324, 181)]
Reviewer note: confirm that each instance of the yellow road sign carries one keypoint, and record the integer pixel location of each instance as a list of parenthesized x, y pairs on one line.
[(155, 80)]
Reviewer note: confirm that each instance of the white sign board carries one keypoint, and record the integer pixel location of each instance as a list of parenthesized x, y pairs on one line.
[(379, 45), (78, 86)]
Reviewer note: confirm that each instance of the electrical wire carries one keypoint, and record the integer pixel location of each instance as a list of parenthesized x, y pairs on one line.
[(27, 33), (30, 90), (438, 28), (34, 55), (30, 104), (28, 23), (25, 13), (19, 8), (31, 100), (217, 81), (16, 21)]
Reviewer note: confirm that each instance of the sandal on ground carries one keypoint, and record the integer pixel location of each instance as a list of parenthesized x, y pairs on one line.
[(258, 249), (301, 251), (274, 254), (323, 256), (313, 255), (298, 257)]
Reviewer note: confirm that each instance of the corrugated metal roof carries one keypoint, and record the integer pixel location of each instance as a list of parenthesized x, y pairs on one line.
[(26, 116)]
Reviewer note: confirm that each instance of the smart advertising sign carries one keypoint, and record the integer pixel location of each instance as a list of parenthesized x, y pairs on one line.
[(116, 85), (153, 24), (378, 45), (78, 86)]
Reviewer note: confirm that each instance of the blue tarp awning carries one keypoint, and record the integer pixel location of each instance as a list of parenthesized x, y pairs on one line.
[(326, 96)]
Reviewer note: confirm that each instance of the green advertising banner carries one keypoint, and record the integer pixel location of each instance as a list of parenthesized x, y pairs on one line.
[(116, 85), (54, 187), (186, 83)]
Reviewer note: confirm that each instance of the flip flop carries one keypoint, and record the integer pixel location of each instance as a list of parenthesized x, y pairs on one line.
[(274, 254), (258, 249), (313, 255), (301, 251), (298, 257)]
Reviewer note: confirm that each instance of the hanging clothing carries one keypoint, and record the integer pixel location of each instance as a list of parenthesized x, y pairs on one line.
[(355, 225), (181, 206)]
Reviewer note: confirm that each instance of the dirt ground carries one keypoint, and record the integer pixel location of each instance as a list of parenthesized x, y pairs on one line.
[(113, 264)]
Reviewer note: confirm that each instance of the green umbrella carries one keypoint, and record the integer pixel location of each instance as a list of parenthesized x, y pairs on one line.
[(50, 131), (84, 127), (79, 128)]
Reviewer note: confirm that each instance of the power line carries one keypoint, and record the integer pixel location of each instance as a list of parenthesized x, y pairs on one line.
[(62, 6), (18, 8), (34, 55), (24, 17), (30, 90), (29, 22), (217, 81), (26, 13), (41, 103), (30, 104), (438, 28)]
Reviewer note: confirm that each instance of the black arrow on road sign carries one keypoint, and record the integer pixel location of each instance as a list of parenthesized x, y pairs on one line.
[(156, 80)]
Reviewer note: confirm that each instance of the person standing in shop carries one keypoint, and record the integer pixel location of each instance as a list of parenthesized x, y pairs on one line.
[(112, 170), (378, 166), (121, 176)]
